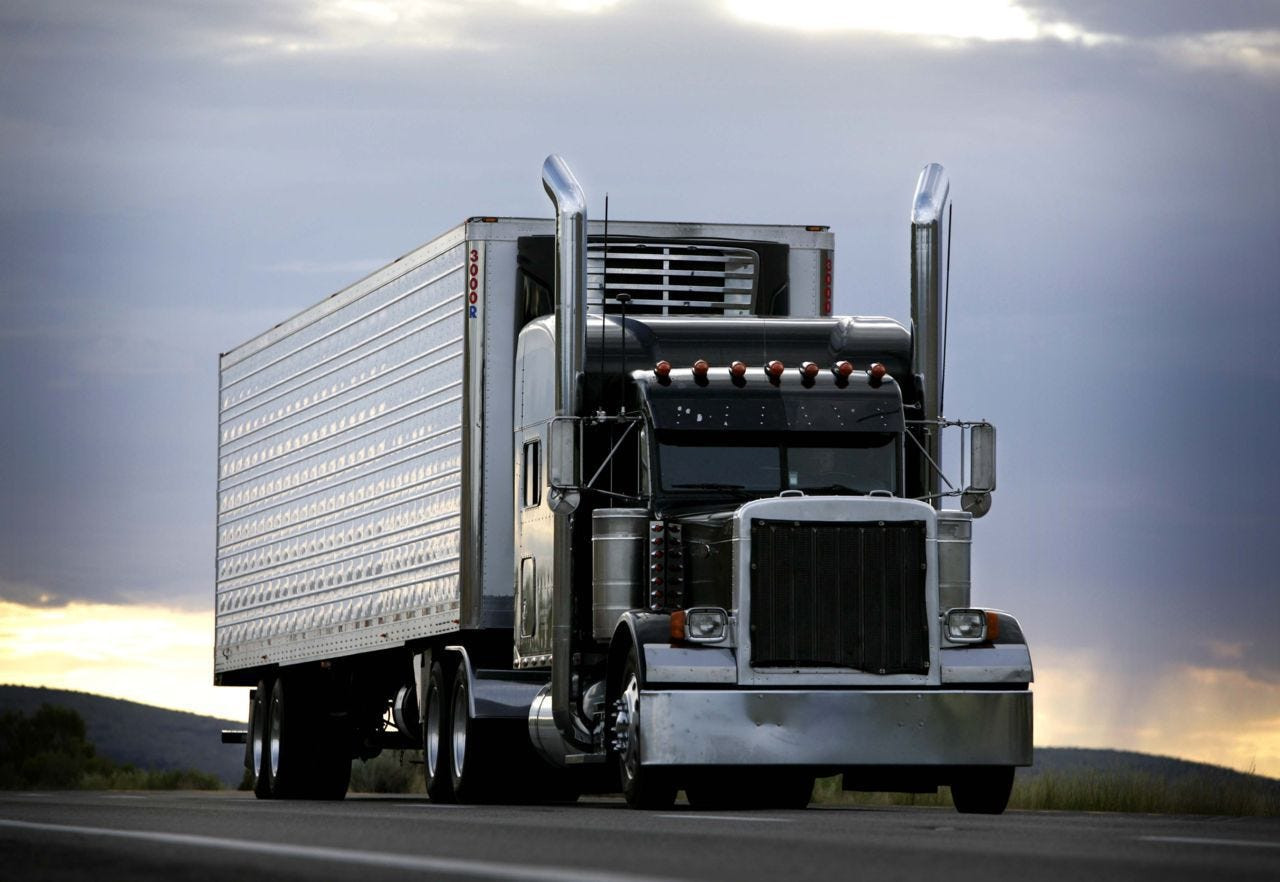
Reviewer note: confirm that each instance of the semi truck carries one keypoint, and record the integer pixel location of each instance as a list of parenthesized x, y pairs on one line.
[(578, 506)]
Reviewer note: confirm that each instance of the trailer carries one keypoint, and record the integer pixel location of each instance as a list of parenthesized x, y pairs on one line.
[(581, 506)]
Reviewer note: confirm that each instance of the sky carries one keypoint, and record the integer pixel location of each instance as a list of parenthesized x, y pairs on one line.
[(177, 177)]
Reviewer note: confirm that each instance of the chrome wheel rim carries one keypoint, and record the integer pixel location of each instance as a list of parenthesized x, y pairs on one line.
[(459, 740), (433, 732), (274, 737), (259, 734), (627, 728)]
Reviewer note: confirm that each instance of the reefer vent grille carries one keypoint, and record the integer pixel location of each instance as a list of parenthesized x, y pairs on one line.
[(839, 594), (667, 278)]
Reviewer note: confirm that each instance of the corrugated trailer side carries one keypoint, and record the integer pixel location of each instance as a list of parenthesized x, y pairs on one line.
[(340, 456)]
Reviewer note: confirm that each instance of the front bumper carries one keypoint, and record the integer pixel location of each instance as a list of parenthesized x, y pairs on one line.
[(690, 727)]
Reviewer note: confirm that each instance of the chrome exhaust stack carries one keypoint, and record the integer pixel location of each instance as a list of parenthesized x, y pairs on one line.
[(930, 223), (571, 344), (570, 281)]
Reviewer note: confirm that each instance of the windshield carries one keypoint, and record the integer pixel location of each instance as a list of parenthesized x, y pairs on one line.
[(848, 462)]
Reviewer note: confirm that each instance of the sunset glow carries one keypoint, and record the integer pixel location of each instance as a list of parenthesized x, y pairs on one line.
[(164, 657)]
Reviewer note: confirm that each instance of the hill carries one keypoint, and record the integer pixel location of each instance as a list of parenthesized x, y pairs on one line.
[(148, 737), (158, 738)]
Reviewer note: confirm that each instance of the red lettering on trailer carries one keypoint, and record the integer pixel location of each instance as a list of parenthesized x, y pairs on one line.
[(473, 283)]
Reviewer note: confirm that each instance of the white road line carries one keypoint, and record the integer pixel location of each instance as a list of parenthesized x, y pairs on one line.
[(1196, 840), (685, 816), (456, 866)]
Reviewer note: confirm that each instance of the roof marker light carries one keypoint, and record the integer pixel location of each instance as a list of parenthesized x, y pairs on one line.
[(662, 369), (877, 372), (774, 369), (843, 368), (738, 369), (700, 367), (809, 370)]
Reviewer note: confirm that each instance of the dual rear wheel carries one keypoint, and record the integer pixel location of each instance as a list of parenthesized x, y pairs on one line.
[(299, 747)]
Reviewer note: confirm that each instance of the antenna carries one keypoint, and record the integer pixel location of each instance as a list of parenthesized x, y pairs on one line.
[(946, 315), (604, 301)]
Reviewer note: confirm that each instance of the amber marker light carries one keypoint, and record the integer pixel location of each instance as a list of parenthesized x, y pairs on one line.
[(738, 369), (877, 372), (774, 369), (809, 370), (677, 625), (700, 368), (993, 626), (662, 369), (843, 368)]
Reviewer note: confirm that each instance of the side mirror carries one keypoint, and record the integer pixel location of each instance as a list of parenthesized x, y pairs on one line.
[(562, 453), (982, 469)]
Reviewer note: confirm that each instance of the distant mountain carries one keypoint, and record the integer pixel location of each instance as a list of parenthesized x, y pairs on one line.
[(148, 737), (1082, 759), (157, 738)]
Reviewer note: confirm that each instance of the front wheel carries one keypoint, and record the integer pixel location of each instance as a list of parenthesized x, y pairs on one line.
[(643, 787), (983, 790)]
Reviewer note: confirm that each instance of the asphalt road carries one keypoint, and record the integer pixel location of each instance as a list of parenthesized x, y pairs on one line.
[(231, 836)]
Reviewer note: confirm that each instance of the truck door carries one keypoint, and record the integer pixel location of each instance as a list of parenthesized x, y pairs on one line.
[(534, 572)]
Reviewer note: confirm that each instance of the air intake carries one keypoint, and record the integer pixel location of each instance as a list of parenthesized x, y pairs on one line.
[(673, 278)]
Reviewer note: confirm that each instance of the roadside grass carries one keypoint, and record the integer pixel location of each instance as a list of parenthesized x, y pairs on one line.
[(130, 778), (1094, 791), (392, 771)]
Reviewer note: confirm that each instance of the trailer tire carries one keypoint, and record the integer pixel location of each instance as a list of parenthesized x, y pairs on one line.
[(282, 760), (471, 752), (982, 790), (435, 738), (643, 787), (330, 757), (257, 747), (307, 752)]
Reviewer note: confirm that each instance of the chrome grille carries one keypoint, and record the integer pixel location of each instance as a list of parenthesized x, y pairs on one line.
[(668, 278), (839, 594)]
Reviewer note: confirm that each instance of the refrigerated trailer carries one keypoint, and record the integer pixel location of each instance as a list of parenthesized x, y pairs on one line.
[(580, 507)]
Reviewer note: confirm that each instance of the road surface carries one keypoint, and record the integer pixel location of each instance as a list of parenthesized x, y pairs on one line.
[(232, 836)]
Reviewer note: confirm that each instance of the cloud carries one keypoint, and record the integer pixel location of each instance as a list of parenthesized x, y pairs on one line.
[(30, 594), (936, 20), (148, 654), (1217, 713)]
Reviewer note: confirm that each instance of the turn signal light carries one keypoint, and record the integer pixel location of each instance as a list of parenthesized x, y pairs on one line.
[(677, 625)]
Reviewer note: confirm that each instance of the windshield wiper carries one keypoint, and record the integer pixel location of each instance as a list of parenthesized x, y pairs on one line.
[(712, 485)]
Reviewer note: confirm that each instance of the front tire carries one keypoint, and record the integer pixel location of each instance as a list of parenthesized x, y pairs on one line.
[(644, 787), (983, 791)]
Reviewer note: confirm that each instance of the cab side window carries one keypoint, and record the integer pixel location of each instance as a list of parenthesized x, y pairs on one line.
[(531, 495)]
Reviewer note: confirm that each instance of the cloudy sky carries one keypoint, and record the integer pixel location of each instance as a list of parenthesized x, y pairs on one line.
[(175, 177)]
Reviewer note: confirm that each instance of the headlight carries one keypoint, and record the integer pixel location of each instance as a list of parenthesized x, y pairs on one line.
[(705, 624), (971, 625)]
